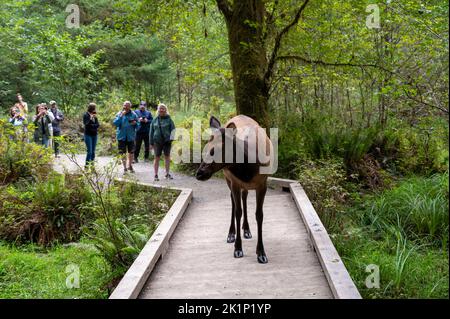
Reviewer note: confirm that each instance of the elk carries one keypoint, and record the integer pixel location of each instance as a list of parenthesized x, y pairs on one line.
[(241, 175)]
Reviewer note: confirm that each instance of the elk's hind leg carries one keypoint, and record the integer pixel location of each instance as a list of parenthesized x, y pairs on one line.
[(245, 226)]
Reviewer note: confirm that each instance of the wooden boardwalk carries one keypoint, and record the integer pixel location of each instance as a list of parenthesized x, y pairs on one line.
[(198, 263)]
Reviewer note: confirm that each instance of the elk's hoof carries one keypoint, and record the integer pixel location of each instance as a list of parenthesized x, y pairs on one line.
[(238, 254), (262, 259), (247, 234), (231, 238)]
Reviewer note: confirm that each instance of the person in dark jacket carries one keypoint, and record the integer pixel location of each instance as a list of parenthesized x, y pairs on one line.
[(161, 136), (142, 133), (91, 125), (43, 131), (59, 117), (126, 123)]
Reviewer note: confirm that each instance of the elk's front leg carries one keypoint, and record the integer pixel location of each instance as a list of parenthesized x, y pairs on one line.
[(238, 253), (260, 194), (245, 226), (232, 232)]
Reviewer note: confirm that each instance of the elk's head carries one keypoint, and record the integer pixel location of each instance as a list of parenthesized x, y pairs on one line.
[(214, 150)]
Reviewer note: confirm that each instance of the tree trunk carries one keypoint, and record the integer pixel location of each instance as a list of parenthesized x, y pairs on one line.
[(252, 70), (249, 59)]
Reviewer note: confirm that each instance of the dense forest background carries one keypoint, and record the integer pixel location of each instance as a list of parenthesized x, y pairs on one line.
[(362, 111), (329, 71)]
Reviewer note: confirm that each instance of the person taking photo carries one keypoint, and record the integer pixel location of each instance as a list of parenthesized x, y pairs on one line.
[(91, 125), (43, 125), (142, 133), (126, 122)]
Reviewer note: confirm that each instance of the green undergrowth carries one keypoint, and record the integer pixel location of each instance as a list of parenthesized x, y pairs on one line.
[(34, 272), (404, 232)]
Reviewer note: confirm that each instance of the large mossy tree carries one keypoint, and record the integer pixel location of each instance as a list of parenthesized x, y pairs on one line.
[(249, 24)]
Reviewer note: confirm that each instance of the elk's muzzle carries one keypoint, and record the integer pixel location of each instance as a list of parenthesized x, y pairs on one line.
[(201, 175)]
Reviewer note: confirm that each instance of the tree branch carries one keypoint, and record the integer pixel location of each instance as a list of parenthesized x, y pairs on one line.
[(279, 37), (225, 8), (270, 19), (320, 62), (421, 101), (409, 81)]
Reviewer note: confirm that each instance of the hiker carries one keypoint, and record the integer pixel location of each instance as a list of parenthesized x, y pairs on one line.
[(43, 121), (161, 136), (91, 125), (21, 105), (142, 133), (16, 119), (59, 117), (19, 122), (126, 123)]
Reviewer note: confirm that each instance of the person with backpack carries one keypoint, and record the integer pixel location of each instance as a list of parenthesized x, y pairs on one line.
[(161, 137), (142, 133), (126, 122), (91, 125)]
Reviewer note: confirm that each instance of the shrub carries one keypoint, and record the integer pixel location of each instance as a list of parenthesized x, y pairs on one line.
[(134, 211), (326, 136), (420, 149), (47, 212), (19, 159), (318, 136), (325, 183)]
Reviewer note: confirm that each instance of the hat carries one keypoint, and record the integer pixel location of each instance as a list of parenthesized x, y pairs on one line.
[(143, 103), (52, 102)]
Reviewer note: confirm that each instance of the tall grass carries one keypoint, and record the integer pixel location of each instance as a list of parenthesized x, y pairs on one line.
[(404, 231), (418, 207)]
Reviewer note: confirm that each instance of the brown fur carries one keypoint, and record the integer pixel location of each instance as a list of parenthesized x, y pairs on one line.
[(241, 123)]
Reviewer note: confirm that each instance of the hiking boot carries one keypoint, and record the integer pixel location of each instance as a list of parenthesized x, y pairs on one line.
[(135, 161), (168, 176), (131, 169), (125, 170), (156, 178)]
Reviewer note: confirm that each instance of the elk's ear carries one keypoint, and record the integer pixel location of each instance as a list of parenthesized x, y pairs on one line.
[(214, 123)]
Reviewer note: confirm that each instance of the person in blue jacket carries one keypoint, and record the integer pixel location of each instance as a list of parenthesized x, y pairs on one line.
[(143, 132), (126, 122)]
